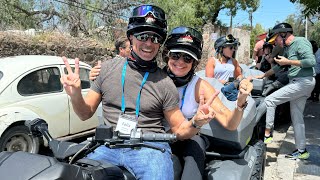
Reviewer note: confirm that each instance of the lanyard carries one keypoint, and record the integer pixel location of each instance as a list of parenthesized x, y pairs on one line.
[(182, 98), (123, 102)]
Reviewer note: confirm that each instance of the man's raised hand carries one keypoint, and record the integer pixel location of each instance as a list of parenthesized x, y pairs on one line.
[(71, 81)]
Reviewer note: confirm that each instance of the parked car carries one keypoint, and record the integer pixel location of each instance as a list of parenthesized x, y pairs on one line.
[(30, 88)]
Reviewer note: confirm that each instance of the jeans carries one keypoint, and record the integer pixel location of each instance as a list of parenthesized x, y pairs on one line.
[(230, 91), (144, 163)]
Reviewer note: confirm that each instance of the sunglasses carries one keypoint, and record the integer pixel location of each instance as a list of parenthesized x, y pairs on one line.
[(143, 37), (186, 57)]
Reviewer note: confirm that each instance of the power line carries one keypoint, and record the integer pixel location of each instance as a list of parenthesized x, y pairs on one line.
[(109, 26), (100, 11)]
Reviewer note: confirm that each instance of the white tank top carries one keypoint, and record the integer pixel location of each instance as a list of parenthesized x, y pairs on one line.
[(224, 71), (188, 102)]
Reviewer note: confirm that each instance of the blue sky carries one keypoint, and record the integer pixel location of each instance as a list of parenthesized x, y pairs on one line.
[(267, 14)]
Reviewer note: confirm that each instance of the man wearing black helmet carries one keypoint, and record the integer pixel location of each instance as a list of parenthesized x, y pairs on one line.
[(300, 59), (135, 92)]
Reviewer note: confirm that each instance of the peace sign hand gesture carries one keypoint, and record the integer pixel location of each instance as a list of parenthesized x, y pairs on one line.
[(71, 81), (205, 112)]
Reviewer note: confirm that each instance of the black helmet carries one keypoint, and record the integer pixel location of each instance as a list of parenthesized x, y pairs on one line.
[(225, 41), (147, 18), (281, 28), (267, 45), (185, 39)]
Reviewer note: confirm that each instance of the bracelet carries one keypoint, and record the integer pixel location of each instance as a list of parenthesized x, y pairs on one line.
[(195, 125), (243, 107)]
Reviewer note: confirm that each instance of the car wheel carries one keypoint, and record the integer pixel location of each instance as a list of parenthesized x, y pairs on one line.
[(18, 138)]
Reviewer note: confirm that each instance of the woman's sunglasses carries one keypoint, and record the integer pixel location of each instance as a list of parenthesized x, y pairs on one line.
[(145, 36), (231, 47), (176, 56)]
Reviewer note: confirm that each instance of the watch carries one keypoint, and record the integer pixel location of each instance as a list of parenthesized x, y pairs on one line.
[(195, 125), (243, 107)]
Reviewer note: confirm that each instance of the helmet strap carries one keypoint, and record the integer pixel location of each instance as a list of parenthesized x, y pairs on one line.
[(225, 56), (180, 81), (138, 63), (284, 38)]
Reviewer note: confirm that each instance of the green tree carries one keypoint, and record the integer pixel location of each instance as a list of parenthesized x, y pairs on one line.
[(298, 23), (311, 7), (315, 33), (197, 13), (12, 17), (180, 12), (76, 16)]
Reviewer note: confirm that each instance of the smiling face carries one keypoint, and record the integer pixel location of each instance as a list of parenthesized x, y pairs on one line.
[(145, 50), (179, 67)]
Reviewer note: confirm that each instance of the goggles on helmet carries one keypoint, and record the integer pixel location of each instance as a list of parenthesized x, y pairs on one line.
[(144, 10), (143, 20), (187, 31)]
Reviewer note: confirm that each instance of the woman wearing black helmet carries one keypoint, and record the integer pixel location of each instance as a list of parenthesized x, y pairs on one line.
[(182, 53), (300, 59), (224, 66)]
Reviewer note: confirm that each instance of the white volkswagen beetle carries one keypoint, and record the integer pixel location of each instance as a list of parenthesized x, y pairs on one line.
[(30, 88)]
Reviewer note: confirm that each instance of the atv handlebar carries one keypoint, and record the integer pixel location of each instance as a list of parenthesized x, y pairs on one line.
[(104, 136), (138, 135)]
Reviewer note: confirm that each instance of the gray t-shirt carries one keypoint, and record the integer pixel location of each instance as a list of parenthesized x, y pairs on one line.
[(158, 94)]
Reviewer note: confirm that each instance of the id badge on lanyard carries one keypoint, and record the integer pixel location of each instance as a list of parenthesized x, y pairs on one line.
[(127, 123)]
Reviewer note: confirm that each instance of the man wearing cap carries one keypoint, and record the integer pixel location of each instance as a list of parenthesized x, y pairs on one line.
[(135, 90), (298, 57)]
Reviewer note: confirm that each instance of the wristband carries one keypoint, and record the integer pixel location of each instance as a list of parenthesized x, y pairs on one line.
[(195, 125), (243, 107)]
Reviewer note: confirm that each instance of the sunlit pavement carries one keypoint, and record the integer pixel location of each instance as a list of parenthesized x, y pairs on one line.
[(278, 167)]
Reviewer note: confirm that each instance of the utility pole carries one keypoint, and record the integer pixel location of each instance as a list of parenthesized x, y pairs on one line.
[(250, 19), (231, 18), (231, 22), (306, 28)]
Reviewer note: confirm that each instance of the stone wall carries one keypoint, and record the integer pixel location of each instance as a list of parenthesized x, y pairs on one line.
[(89, 51)]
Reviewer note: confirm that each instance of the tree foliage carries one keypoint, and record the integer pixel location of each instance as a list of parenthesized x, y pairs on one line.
[(197, 13), (76, 16), (311, 7), (85, 17), (11, 16), (298, 23)]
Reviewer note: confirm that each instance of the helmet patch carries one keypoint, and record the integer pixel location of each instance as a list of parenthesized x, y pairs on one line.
[(186, 38), (150, 18)]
